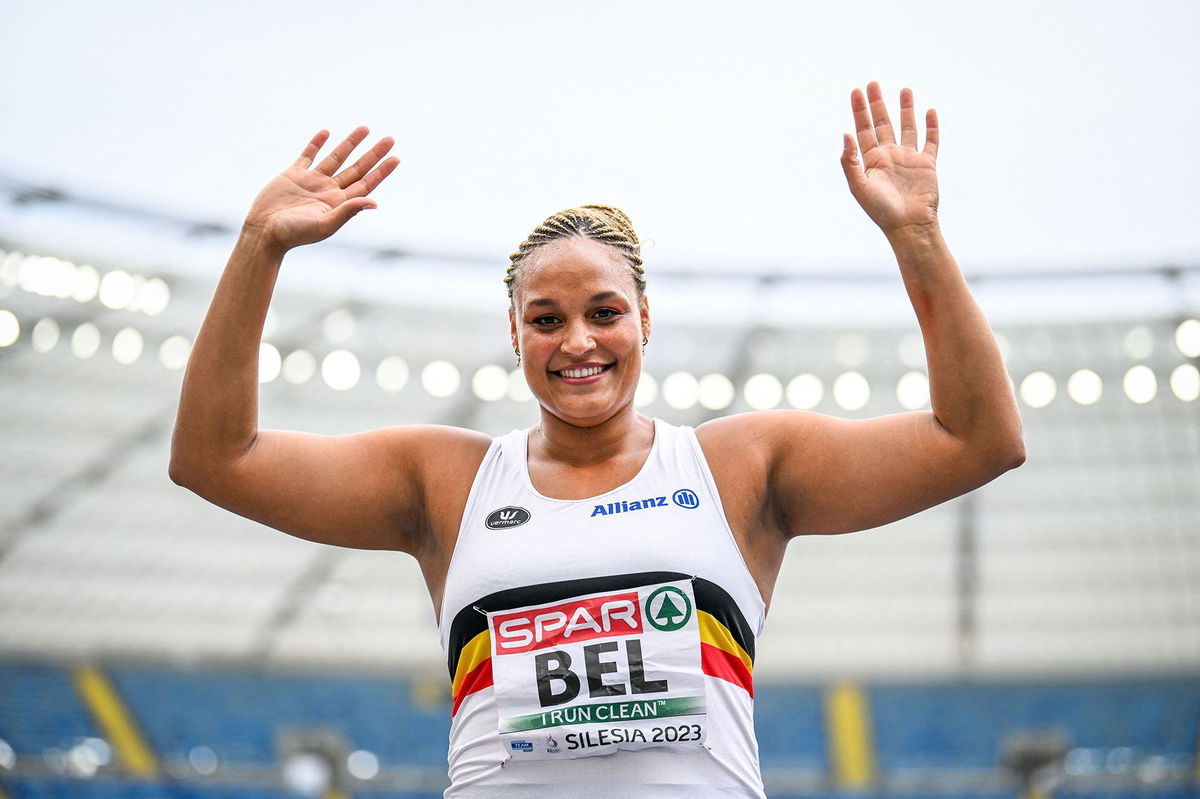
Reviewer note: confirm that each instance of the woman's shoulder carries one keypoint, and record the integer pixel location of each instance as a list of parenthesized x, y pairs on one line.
[(438, 452), (743, 430)]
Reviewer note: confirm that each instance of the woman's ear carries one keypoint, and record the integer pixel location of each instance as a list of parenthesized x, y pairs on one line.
[(512, 327), (644, 308)]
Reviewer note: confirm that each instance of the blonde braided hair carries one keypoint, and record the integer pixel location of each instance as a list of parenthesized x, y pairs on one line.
[(602, 223)]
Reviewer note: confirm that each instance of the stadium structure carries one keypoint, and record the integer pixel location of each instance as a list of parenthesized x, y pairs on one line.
[(1039, 637)]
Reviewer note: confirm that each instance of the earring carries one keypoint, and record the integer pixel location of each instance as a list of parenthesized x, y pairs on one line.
[(518, 352), (645, 341)]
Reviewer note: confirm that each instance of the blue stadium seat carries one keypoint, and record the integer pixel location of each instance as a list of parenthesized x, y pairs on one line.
[(64, 788), (39, 709), (790, 725), (966, 725), (240, 714)]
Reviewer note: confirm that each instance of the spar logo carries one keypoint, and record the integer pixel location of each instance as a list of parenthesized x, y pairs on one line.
[(668, 609), (506, 517), (579, 620)]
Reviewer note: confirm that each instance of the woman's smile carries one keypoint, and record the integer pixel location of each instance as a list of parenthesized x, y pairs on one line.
[(584, 373)]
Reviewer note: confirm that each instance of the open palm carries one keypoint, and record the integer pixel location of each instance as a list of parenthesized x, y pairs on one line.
[(896, 184), (304, 204)]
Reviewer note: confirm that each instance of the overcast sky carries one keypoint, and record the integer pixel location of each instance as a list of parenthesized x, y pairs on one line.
[(1068, 129)]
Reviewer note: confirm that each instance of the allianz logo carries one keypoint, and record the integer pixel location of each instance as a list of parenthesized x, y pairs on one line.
[(684, 498)]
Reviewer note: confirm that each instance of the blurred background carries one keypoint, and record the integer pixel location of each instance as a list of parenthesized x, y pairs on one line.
[(1039, 637)]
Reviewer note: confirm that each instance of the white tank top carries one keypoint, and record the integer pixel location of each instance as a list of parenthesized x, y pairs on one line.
[(660, 538)]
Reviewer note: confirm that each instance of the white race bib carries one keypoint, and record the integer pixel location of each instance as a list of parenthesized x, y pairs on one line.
[(598, 673)]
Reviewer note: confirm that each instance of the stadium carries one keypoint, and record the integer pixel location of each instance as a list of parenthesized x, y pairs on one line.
[(1038, 637)]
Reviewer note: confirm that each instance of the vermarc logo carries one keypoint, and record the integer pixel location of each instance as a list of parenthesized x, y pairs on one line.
[(506, 517)]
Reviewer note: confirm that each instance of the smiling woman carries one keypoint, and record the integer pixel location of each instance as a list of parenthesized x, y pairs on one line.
[(578, 323), (600, 579)]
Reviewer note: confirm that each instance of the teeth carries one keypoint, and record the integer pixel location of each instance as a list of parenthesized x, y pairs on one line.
[(588, 372)]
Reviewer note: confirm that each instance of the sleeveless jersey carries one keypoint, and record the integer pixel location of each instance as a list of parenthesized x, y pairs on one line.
[(601, 647)]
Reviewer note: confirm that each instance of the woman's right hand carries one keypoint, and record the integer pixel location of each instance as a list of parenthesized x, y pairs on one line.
[(305, 204)]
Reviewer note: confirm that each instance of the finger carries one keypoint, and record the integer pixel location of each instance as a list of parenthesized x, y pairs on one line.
[(850, 163), (931, 133), (883, 125), (342, 151), (908, 119), (364, 165), (310, 152), (367, 184), (346, 211), (862, 121)]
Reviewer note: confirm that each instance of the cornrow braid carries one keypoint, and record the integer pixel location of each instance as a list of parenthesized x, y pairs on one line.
[(603, 223)]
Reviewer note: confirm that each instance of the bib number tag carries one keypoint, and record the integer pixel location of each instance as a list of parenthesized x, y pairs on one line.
[(598, 673)]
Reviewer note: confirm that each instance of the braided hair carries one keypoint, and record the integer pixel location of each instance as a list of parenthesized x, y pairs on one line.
[(602, 223)]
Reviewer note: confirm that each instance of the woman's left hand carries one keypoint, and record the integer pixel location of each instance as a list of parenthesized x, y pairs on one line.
[(896, 184)]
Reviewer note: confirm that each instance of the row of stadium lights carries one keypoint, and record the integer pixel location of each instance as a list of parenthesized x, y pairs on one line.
[(116, 289), (310, 773), (87, 756), (341, 370)]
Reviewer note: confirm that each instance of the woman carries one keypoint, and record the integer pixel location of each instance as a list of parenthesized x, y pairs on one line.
[(600, 578)]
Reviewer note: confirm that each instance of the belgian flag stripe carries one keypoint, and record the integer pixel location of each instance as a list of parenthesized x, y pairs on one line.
[(715, 634), (474, 653), (721, 664), (475, 680)]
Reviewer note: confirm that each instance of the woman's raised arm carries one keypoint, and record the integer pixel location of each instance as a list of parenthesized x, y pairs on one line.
[(820, 474), (365, 490)]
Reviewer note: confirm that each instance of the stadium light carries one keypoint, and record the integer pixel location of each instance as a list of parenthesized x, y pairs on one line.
[(1140, 384), (851, 391), (10, 328), (1085, 387), (805, 391), (269, 362), (392, 374), (1185, 382), (340, 370), (440, 378), (1187, 338), (45, 335), (299, 367), (490, 382), (1038, 389), (680, 390), (647, 390)]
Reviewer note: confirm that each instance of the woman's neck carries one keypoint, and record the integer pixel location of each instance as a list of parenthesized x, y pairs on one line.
[(558, 441)]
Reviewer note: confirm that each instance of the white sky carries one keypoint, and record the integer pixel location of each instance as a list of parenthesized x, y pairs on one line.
[(1068, 129)]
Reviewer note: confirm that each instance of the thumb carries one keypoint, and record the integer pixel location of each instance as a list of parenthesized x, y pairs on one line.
[(850, 163), (344, 212)]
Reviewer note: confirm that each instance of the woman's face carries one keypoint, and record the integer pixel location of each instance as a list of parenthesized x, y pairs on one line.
[(579, 324)]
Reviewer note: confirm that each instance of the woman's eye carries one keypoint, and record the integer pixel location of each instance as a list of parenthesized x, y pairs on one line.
[(545, 320), (607, 313)]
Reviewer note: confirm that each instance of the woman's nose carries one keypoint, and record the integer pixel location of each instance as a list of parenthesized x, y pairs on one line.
[(578, 339)]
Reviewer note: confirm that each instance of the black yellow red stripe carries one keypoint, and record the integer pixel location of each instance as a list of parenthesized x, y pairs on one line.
[(474, 670), (722, 656), (727, 642)]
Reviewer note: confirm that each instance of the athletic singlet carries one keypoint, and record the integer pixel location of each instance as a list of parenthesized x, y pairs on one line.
[(601, 647)]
